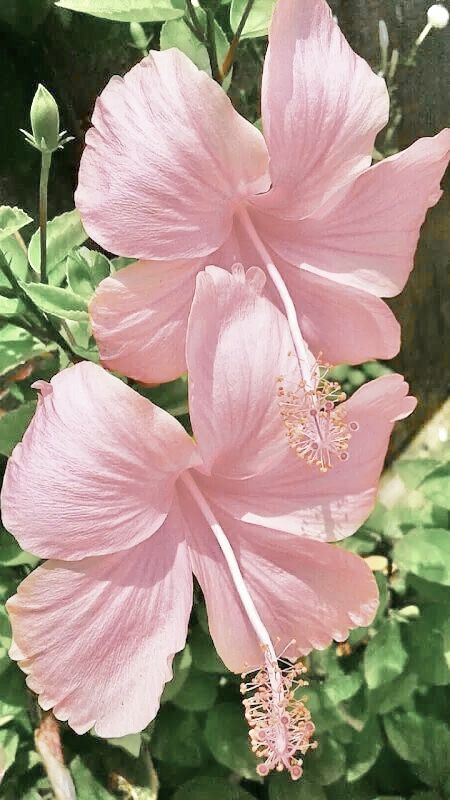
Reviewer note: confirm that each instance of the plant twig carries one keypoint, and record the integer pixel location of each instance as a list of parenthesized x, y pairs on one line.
[(231, 54), (48, 744)]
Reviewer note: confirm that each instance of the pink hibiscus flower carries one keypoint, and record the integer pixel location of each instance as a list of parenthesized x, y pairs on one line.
[(127, 506), (174, 176)]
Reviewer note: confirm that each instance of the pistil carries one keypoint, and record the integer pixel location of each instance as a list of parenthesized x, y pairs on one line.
[(280, 725), (317, 429)]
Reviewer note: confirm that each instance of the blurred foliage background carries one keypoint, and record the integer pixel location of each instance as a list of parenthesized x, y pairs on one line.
[(380, 701)]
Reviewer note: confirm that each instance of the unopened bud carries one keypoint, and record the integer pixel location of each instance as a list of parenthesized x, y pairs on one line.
[(438, 16), (383, 35), (44, 117), (139, 38)]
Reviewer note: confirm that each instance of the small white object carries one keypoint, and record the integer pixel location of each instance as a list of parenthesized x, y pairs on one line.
[(438, 16)]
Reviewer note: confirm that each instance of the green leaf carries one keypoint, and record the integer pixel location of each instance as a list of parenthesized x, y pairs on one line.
[(131, 743), (203, 788), (12, 220), (281, 787), (339, 686), (364, 750), (175, 33), (9, 742), (181, 666), (13, 697), (326, 764), (127, 10), (199, 692), (414, 471), (258, 20), (120, 262), (385, 655), (172, 396), (423, 741), (426, 553), (11, 554), (16, 348), (436, 486), (429, 645), (226, 735), (405, 733), (86, 784), (393, 694), (13, 425), (58, 302), (63, 234), (177, 738), (85, 269), (16, 258), (204, 654)]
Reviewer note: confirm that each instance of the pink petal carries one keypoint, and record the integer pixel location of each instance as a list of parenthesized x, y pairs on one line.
[(97, 637), (340, 322), (238, 344), (367, 238), (304, 590), (322, 107), (297, 498), (96, 470), (139, 319), (165, 162)]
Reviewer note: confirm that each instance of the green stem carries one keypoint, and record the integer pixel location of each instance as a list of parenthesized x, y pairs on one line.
[(211, 46), (46, 161), (195, 26), (230, 56), (28, 327)]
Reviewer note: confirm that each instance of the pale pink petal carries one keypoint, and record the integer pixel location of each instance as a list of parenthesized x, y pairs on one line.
[(340, 322), (96, 469), (322, 107), (166, 161), (366, 236), (97, 637), (297, 498), (309, 591), (139, 318), (238, 344)]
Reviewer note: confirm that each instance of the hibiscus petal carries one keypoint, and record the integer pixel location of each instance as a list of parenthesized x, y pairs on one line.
[(296, 498), (309, 591), (166, 160), (367, 239), (96, 469), (97, 637), (139, 318), (340, 322), (238, 344), (322, 107)]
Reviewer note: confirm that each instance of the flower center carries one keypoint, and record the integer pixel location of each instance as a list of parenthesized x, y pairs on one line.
[(280, 724), (317, 429)]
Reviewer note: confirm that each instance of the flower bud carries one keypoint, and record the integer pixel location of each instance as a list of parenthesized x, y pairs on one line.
[(438, 16), (138, 36), (44, 117)]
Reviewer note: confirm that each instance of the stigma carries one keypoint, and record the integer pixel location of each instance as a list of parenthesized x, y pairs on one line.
[(280, 724), (316, 425)]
